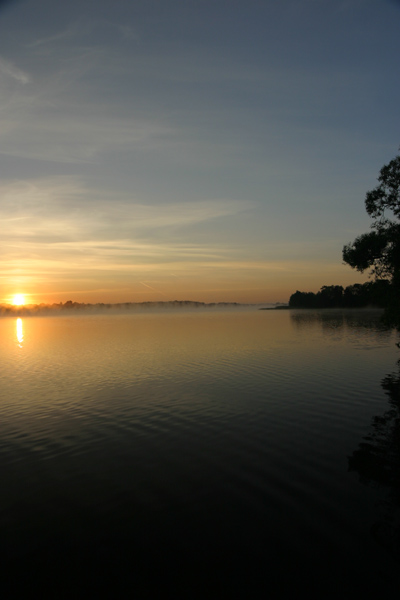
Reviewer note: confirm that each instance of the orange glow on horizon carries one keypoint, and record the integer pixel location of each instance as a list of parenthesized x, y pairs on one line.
[(242, 282)]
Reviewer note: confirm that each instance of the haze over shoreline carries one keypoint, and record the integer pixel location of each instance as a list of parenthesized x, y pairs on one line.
[(81, 307)]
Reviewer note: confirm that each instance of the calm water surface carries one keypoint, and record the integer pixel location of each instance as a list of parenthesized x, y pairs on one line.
[(200, 453)]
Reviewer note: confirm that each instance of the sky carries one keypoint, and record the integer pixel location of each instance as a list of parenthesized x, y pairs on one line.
[(210, 150)]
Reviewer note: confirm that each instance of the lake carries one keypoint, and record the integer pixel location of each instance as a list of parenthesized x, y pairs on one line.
[(203, 453)]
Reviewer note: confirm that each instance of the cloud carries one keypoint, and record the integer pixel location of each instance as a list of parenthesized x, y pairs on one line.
[(70, 199), (66, 34), (78, 139), (70, 113), (7, 68), (58, 222), (55, 225), (82, 29), (92, 95)]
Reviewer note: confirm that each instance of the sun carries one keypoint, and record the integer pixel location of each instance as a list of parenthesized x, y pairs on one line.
[(18, 300)]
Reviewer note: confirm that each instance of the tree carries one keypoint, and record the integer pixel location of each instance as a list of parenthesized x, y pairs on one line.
[(330, 296), (379, 249)]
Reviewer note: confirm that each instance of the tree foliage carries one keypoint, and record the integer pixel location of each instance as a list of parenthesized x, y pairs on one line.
[(358, 295), (379, 249)]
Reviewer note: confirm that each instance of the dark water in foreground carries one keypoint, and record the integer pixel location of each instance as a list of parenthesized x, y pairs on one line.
[(207, 454)]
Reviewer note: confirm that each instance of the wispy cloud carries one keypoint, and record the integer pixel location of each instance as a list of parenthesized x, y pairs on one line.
[(42, 201), (57, 221), (76, 140), (80, 31), (9, 69)]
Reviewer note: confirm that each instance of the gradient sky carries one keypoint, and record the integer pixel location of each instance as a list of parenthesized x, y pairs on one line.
[(212, 150)]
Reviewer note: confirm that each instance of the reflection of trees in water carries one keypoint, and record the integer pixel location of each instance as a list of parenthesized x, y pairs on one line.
[(330, 319), (377, 461)]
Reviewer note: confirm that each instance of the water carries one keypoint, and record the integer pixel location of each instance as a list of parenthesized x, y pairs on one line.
[(199, 453)]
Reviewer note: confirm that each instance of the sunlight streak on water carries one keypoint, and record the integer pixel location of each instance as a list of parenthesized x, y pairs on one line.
[(20, 332)]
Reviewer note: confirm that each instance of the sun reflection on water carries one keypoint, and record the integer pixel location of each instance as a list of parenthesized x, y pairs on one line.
[(20, 332)]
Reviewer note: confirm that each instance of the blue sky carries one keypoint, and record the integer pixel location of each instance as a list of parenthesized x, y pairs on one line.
[(196, 149)]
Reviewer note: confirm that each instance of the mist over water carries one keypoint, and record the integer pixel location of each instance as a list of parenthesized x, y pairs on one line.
[(199, 452)]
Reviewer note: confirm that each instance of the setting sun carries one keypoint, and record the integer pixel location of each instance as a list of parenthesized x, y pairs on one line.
[(18, 300)]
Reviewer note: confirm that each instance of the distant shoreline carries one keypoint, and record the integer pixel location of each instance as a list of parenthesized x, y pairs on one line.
[(70, 307), (80, 308)]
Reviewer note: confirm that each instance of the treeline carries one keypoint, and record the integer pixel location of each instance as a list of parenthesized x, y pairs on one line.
[(68, 307), (372, 293)]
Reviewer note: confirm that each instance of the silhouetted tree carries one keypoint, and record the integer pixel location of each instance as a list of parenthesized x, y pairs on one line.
[(330, 296), (303, 300), (379, 250), (372, 293), (355, 296)]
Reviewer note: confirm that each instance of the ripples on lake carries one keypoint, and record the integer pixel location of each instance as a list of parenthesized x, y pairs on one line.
[(200, 453)]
